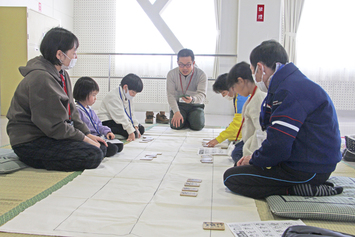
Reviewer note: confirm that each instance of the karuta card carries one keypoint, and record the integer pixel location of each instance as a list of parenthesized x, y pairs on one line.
[(191, 184), (190, 194), (194, 180), (206, 160), (213, 226), (148, 138), (190, 189), (147, 158), (152, 154)]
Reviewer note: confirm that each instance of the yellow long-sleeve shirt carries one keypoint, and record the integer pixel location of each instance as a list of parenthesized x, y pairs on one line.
[(231, 131)]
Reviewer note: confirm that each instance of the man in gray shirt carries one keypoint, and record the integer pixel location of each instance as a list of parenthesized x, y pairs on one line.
[(186, 89)]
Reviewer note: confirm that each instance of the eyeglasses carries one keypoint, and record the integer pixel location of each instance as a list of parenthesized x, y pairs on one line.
[(188, 65)]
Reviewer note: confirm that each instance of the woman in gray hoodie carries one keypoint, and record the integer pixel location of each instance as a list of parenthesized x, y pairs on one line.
[(44, 126)]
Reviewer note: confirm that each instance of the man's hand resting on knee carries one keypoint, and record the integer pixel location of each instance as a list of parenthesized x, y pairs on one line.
[(177, 119)]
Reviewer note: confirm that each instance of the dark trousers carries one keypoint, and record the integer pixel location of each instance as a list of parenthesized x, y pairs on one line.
[(237, 152), (111, 149), (118, 129), (193, 114), (63, 155), (258, 182)]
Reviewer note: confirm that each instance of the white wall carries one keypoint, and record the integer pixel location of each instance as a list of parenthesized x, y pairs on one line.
[(63, 10), (250, 32), (228, 32)]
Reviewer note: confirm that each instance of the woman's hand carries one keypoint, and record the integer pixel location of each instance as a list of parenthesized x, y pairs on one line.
[(92, 142), (96, 139)]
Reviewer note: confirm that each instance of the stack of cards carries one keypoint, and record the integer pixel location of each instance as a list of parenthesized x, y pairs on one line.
[(191, 188), (206, 159), (151, 155), (146, 139)]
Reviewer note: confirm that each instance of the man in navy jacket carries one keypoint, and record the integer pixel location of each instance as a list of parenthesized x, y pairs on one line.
[(302, 147)]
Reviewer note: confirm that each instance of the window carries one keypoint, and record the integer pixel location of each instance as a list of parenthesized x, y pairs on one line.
[(192, 23)]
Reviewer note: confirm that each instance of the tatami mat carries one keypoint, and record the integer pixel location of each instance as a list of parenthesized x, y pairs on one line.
[(22, 189), (343, 169)]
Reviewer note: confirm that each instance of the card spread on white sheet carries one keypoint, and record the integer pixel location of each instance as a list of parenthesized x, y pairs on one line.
[(148, 138), (190, 189), (261, 228), (191, 184), (190, 194), (147, 158), (194, 180), (206, 160), (153, 154), (212, 151)]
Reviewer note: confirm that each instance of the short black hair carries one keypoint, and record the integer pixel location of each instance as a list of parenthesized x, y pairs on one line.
[(242, 70), (56, 39), (269, 52), (221, 83), (83, 87), (133, 82), (186, 53)]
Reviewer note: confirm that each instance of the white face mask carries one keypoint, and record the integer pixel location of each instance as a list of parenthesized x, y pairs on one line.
[(71, 64), (261, 85), (127, 95), (228, 97)]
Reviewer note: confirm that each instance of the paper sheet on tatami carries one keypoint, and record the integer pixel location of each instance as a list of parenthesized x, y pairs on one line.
[(127, 196)]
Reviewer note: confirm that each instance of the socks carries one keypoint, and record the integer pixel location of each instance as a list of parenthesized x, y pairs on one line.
[(119, 146), (325, 190), (311, 190), (111, 149)]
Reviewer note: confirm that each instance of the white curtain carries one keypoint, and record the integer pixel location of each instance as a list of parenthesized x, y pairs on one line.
[(292, 16), (217, 7), (325, 44)]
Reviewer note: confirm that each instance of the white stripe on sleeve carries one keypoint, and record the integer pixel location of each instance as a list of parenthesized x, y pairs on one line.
[(293, 127)]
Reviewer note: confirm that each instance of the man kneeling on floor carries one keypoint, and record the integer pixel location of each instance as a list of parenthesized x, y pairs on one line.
[(186, 90), (302, 147)]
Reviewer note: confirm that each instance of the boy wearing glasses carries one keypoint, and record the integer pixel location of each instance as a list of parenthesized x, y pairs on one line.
[(186, 90)]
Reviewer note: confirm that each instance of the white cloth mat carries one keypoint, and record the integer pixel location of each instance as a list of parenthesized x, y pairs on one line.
[(126, 196)]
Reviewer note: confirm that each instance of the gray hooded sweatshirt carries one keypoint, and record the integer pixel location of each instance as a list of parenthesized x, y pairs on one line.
[(39, 106)]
